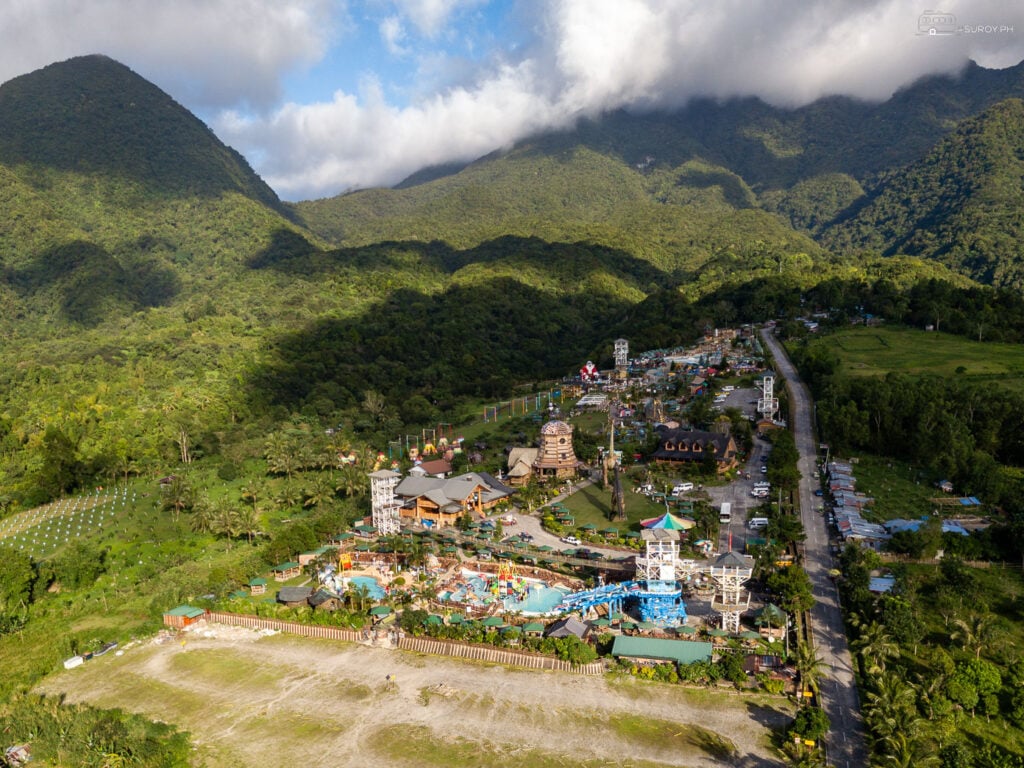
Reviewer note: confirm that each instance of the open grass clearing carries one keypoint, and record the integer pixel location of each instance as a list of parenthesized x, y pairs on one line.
[(878, 351), (248, 699)]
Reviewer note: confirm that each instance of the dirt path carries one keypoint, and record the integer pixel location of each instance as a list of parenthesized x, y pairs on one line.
[(253, 700)]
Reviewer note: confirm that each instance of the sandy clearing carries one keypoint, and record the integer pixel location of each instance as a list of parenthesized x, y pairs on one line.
[(249, 699)]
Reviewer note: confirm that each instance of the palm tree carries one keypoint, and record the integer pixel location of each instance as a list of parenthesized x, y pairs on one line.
[(249, 522), (288, 495), (202, 516), (251, 492), (178, 495), (891, 707), (225, 522), (903, 750), (279, 452), (801, 756), (810, 667), (352, 482), (875, 646), (320, 491), (975, 634)]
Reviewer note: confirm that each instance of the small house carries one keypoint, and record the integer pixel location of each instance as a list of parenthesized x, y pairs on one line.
[(293, 597), (286, 571), (183, 616), (656, 650), (258, 586), (322, 600)]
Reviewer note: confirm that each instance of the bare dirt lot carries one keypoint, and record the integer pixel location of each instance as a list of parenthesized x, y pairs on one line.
[(249, 699)]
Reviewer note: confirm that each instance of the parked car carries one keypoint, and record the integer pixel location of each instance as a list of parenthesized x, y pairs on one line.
[(682, 488), (818, 492), (570, 540), (524, 536)]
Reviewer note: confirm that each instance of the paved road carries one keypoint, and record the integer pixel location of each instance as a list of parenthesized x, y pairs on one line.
[(846, 744)]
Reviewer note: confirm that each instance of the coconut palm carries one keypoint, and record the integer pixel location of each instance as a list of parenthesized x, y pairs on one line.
[(903, 750), (875, 646), (249, 522), (975, 633), (225, 523), (891, 707), (809, 666)]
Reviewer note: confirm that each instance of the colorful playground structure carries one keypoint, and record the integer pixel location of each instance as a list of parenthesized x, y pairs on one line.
[(655, 594)]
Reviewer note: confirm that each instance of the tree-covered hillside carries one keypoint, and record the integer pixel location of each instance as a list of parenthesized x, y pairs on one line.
[(963, 204)]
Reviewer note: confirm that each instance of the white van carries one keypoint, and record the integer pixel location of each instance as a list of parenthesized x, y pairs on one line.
[(757, 522), (682, 488), (725, 514)]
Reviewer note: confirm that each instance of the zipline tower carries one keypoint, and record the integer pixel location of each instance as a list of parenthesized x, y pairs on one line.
[(729, 572), (621, 358), (384, 503), (768, 404)]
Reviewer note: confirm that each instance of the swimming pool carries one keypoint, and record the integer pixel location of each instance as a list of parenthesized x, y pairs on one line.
[(375, 590), (538, 599)]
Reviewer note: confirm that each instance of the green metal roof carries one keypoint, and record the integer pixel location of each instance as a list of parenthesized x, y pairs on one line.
[(259, 581), (185, 610), (285, 566), (679, 651)]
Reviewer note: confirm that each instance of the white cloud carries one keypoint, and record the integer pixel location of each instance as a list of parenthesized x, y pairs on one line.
[(594, 55), (567, 58), (393, 34), (207, 54), (430, 16)]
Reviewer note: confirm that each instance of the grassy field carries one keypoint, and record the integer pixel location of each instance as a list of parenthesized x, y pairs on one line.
[(878, 351), (248, 700)]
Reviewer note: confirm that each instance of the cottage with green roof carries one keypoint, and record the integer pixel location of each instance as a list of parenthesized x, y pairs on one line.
[(183, 616), (652, 649), (286, 571)]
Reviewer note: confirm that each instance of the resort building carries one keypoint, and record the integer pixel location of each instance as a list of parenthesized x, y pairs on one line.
[(438, 502), (689, 446)]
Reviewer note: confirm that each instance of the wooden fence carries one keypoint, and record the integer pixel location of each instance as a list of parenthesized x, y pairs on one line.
[(292, 627), (415, 644), (496, 655)]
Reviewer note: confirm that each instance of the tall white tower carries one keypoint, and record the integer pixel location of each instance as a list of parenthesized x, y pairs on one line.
[(729, 572), (384, 503), (661, 551), (621, 353), (768, 405)]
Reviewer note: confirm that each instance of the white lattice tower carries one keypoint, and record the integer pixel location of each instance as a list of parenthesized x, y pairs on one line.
[(768, 405), (384, 503), (729, 597), (660, 555), (621, 353)]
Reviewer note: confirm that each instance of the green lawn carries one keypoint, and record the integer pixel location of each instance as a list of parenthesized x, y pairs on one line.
[(878, 351)]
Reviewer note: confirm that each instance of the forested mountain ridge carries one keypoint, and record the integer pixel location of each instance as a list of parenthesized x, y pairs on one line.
[(160, 302), (677, 189), (962, 204)]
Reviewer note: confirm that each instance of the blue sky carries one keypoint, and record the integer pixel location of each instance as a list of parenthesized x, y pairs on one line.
[(326, 96)]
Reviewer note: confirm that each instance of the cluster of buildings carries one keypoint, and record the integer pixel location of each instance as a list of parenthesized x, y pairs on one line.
[(848, 504)]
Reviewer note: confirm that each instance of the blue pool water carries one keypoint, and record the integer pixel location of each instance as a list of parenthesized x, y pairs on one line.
[(539, 599), (376, 591)]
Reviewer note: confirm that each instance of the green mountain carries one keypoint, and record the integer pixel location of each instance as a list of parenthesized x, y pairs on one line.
[(677, 189), (961, 205)]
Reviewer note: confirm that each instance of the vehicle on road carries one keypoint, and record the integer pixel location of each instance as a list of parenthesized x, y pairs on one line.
[(570, 540), (818, 492), (757, 522), (524, 536), (725, 513), (682, 488)]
